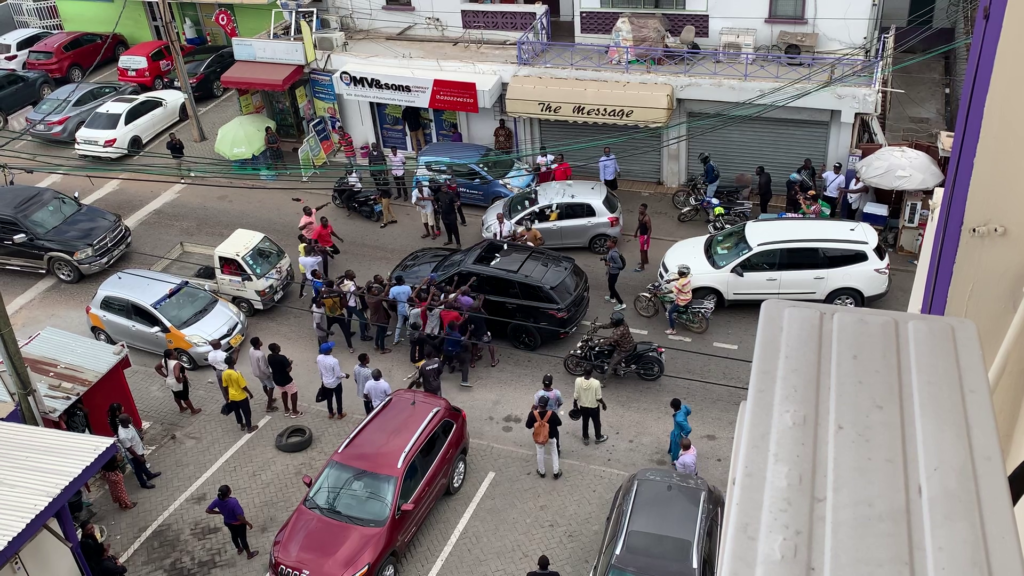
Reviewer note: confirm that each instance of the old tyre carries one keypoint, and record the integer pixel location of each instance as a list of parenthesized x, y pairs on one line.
[(245, 306), (457, 477), (65, 270), (294, 439)]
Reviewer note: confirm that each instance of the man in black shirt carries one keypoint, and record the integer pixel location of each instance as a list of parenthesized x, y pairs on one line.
[(764, 187), (414, 124), (378, 165), (807, 175), (177, 149), (542, 568), (430, 373), (280, 371), (449, 207)]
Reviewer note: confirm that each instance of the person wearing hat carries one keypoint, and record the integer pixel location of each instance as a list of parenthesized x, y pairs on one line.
[(331, 376), (549, 417), (554, 396), (793, 193), (835, 181)]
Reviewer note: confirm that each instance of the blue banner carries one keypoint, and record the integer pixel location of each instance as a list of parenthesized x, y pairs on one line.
[(392, 132), (322, 85), (444, 122)]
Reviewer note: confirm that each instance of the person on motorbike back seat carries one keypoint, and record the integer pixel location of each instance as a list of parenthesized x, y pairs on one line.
[(681, 290), (621, 338), (352, 187)]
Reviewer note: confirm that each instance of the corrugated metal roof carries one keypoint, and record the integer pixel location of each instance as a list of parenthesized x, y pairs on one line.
[(867, 445), (36, 465)]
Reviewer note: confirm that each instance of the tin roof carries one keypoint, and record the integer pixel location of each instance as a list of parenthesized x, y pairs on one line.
[(39, 464)]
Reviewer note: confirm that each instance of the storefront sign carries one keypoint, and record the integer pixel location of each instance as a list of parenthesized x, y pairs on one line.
[(305, 104), (315, 151), (251, 102), (322, 90), (319, 128), (408, 91), (305, 161), (272, 51), (226, 21), (445, 122)]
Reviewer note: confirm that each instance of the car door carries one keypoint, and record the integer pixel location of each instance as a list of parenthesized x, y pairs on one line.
[(420, 485), (92, 46), (803, 274), (577, 223), (17, 91), (233, 284), (540, 216), (502, 298), (143, 322), (151, 121), (17, 254), (756, 277), (473, 184), (116, 318)]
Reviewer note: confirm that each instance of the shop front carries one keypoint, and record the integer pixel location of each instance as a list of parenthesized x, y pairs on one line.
[(279, 91)]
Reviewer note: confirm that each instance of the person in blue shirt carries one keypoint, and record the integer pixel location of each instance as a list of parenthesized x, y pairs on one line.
[(454, 353), (711, 175), (608, 166), (680, 427), (400, 294)]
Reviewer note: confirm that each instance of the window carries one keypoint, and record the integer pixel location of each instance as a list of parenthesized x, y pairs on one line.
[(145, 317), (880, 251), (9, 229), (398, 2), (38, 56), (91, 39), (726, 247), (532, 293), (786, 10), (352, 495), (264, 257), (577, 210), (26, 43), (88, 97), (795, 259), (14, 80), (115, 306), (840, 257), (611, 202), (157, 55), (410, 481), (766, 261), (496, 287), (51, 214), (645, 4), (139, 110), (103, 121), (424, 460), (74, 44)]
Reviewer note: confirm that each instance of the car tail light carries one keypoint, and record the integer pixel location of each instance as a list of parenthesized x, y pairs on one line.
[(464, 416), (59, 121), (558, 313), (883, 271), (195, 79), (11, 57), (145, 72), (88, 309), (613, 221), (109, 143), (661, 350)]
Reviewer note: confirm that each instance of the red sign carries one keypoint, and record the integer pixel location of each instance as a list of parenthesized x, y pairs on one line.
[(453, 95), (225, 20)]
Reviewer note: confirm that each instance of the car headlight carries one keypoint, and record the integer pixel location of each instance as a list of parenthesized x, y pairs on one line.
[(83, 254), (196, 340), (363, 571)]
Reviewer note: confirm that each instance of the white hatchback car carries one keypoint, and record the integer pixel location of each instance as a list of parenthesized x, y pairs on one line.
[(834, 261), (14, 46), (124, 125)]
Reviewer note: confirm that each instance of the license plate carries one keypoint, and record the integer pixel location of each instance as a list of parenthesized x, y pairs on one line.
[(278, 294), (235, 341), (131, 72), (89, 142), (378, 208)]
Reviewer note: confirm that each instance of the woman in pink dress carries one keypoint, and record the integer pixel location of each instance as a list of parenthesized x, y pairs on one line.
[(111, 472)]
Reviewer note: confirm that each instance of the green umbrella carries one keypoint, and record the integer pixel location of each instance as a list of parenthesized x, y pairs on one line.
[(242, 137)]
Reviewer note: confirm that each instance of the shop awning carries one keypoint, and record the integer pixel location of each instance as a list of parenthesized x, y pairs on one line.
[(488, 86), (261, 76), (594, 102)]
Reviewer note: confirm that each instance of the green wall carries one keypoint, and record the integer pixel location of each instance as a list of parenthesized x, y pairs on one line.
[(90, 16), (253, 19)]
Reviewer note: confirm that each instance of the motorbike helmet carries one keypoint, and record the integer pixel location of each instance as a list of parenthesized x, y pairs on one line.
[(794, 177), (617, 319), (718, 211), (704, 157), (575, 414), (683, 270)]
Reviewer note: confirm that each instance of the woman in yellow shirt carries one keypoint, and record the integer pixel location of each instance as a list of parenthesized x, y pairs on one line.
[(238, 396)]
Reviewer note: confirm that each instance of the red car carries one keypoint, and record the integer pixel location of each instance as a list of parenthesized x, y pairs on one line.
[(148, 63), (376, 490), (69, 55)]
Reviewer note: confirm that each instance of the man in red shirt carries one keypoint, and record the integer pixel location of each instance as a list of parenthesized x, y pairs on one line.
[(450, 314), (562, 170), (349, 149), (324, 235)]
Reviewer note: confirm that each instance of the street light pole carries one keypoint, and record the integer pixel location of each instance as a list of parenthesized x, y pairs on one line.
[(179, 67), (16, 368)]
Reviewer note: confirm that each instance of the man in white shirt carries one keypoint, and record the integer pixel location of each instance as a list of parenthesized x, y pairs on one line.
[(216, 360), (376, 390), (131, 441), (331, 377), (834, 181), (852, 198), (503, 229), (261, 370), (397, 162), (424, 201), (310, 261), (545, 160)]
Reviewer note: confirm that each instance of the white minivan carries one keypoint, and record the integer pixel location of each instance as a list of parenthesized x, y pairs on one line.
[(834, 261)]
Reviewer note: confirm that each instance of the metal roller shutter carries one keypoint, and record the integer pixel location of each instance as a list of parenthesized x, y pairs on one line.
[(778, 145), (583, 145)]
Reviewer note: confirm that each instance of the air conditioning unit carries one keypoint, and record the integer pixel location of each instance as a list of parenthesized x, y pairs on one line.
[(329, 40), (797, 43), (734, 42), (330, 22)]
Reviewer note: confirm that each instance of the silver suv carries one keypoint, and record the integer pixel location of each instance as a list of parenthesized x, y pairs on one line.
[(567, 214), (155, 311)]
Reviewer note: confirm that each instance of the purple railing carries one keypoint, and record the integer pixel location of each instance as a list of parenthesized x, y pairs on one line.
[(502, 21)]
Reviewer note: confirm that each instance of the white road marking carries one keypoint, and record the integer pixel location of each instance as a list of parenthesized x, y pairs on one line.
[(633, 330), (27, 296), (20, 144), (195, 486), (51, 179), (560, 460), (461, 526), (168, 195), (680, 338), (106, 189), (104, 75), (729, 346)]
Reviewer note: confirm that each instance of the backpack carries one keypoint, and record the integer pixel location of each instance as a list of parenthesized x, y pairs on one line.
[(622, 261), (541, 428)]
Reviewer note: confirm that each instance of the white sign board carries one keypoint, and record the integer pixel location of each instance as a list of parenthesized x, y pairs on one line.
[(384, 88), (272, 51)]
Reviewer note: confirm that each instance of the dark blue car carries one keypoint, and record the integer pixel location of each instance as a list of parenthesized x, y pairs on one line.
[(484, 175)]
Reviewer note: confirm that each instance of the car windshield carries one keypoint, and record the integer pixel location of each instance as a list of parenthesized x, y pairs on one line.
[(52, 105), (496, 164), (33, 55), (185, 305), (194, 63), (727, 247), (352, 495), (567, 288), (262, 259), (519, 203), (102, 121), (450, 263), (53, 213)]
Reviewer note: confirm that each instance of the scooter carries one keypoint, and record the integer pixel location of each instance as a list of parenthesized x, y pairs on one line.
[(739, 209), (696, 317), (364, 202), (647, 360), (695, 186)]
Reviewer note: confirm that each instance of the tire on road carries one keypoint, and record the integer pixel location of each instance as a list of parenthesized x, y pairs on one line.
[(65, 270), (294, 439), (646, 306), (457, 477)]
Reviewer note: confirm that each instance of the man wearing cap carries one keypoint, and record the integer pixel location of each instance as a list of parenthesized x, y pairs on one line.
[(542, 414), (331, 376), (834, 181), (554, 396)]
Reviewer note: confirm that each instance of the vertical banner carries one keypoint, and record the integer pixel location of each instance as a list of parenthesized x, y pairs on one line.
[(321, 86), (226, 21), (307, 41), (444, 123), (428, 121), (318, 128), (392, 132), (305, 161), (315, 151), (305, 104)]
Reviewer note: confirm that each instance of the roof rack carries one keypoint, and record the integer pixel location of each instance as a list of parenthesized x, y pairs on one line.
[(363, 423), (401, 459)]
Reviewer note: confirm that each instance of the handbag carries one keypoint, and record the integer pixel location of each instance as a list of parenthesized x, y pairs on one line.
[(322, 393), (226, 409)]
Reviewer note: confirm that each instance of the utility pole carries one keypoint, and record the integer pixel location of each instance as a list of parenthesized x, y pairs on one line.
[(179, 67), (16, 368)]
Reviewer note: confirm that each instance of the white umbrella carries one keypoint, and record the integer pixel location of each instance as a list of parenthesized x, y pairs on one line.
[(898, 168)]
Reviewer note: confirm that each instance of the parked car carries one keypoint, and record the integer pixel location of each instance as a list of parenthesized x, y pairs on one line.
[(14, 46), (661, 523), (205, 65), (369, 500), (21, 89), (70, 55), (62, 114), (533, 294), (833, 261), (148, 63), (567, 214), (42, 229), (155, 312), (484, 175), (124, 124)]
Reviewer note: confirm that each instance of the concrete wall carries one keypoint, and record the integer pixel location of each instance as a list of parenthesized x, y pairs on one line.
[(100, 17), (430, 17), (6, 19)]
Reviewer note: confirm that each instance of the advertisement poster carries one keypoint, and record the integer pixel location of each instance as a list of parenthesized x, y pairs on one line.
[(428, 123), (322, 90), (226, 21), (392, 132), (318, 127), (250, 102), (305, 104), (305, 161), (445, 122), (315, 151), (408, 91)]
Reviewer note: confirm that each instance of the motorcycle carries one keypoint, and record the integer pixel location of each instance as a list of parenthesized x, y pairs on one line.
[(739, 209), (695, 186), (720, 222), (364, 202), (696, 317), (647, 360)]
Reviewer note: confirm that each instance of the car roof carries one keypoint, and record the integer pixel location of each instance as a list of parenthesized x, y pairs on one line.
[(56, 39), (565, 190), (207, 50), (140, 284), (453, 150), (19, 198), (542, 266), (144, 48), (791, 230), (15, 35), (118, 105), (379, 442), (76, 88)]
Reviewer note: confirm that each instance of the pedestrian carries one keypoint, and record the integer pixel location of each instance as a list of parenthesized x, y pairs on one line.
[(347, 146), (386, 213), (303, 279), (476, 327), (544, 424), (323, 335), (316, 282), (451, 183), (399, 294), (324, 234), (424, 202), (177, 149), (352, 310), (503, 230), (377, 389), (131, 441), (310, 259), (413, 118), (351, 187), (811, 207), (274, 152), (216, 359), (542, 568), (455, 351), (852, 198), (834, 181), (764, 187), (378, 165), (261, 370), (176, 378), (503, 137), (554, 396), (307, 222), (430, 373), (435, 189), (793, 193), (379, 318), (586, 397), (680, 427), (562, 170), (333, 299), (397, 161), (234, 518), (111, 474), (545, 162), (90, 544), (644, 230), (330, 378), (608, 167), (238, 396), (807, 176), (280, 368), (687, 461), (614, 263), (448, 204), (114, 411), (682, 293), (362, 374), (456, 135), (106, 564)]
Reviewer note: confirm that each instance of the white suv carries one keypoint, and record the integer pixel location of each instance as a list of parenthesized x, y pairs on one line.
[(832, 261)]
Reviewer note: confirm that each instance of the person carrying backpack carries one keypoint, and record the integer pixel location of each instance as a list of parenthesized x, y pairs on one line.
[(544, 424), (711, 174), (615, 264)]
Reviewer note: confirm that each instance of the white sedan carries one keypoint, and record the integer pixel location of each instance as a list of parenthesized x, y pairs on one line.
[(124, 125)]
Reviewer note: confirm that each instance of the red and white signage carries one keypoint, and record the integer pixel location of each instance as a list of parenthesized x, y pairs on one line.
[(431, 93), (226, 21)]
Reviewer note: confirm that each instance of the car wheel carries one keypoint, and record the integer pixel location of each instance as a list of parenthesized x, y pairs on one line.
[(78, 127), (102, 336), (573, 364), (120, 49), (76, 74), (135, 146), (845, 297), (458, 475), (45, 91), (186, 360), (65, 270), (388, 568), (524, 336), (158, 83), (218, 89), (709, 295), (599, 244), (650, 369), (183, 113), (245, 306), (294, 439)]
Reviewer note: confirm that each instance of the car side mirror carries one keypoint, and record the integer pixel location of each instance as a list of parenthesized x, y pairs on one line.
[(477, 181), (407, 507), (307, 480), (738, 271), (76, 194), (156, 330), (246, 278), (19, 238)]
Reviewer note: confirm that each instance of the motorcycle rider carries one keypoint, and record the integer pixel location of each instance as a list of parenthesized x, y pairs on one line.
[(681, 290), (621, 338), (711, 175)]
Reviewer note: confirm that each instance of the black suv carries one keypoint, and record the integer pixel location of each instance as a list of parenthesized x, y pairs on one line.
[(42, 229), (661, 523), (538, 294)]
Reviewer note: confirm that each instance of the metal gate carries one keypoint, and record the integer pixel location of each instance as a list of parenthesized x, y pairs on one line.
[(638, 150), (778, 145), (42, 15)]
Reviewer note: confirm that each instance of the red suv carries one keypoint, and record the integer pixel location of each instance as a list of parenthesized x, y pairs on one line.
[(69, 55), (376, 490)]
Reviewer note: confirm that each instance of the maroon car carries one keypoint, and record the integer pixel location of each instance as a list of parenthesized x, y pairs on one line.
[(374, 493), (70, 55)]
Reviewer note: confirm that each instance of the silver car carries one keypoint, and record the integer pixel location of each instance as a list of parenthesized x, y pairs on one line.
[(568, 214), (65, 110), (155, 311)]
